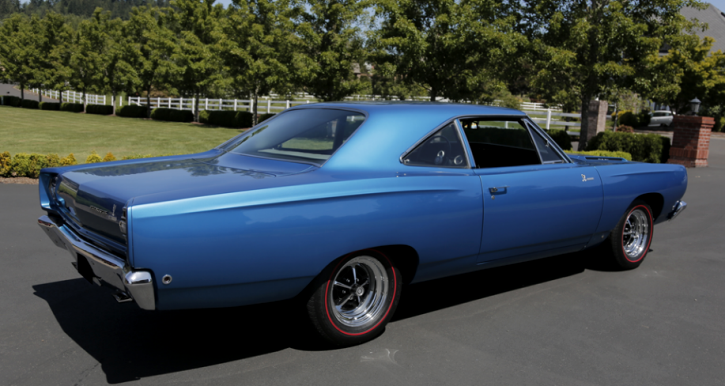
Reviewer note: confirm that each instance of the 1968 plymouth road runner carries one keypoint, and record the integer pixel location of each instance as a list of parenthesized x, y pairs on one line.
[(342, 204)]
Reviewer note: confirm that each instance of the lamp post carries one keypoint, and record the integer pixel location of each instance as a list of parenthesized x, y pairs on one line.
[(695, 106)]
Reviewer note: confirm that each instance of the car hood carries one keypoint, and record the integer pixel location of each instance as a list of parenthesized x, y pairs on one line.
[(94, 197)]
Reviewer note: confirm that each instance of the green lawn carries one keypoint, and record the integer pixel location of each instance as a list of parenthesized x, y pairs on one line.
[(38, 131)]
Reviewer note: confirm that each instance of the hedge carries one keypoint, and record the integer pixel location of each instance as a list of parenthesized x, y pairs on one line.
[(264, 117), (233, 119), (29, 165), (99, 109), (628, 118), (29, 104), (132, 111), (561, 138), (643, 147), (9, 100), (603, 153), (72, 107), (173, 115), (49, 106)]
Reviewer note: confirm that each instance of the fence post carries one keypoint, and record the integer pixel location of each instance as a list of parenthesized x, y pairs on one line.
[(235, 104), (169, 102), (206, 104), (269, 106), (193, 104), (220, 104), (251, 105), (181, 103), (288, 103), (548, 119)]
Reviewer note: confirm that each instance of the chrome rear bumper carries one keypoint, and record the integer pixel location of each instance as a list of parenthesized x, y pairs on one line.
[(677, 209), (106, 267)]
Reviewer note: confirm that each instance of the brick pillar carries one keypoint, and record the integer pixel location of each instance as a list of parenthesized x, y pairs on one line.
[(691, 140), (597, 121)]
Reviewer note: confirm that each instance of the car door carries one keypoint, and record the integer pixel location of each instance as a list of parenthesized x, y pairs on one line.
[(536, 203)]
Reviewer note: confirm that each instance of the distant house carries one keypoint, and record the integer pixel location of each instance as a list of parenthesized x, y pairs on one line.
[(715, 20)]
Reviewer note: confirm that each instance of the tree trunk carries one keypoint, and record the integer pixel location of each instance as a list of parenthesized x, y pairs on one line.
[(113, 101), (196, 107), (584, 128), (40, 95), (148, 103), (255, 98), (433, 94), (84, 100), (22, 92), (60, 96)]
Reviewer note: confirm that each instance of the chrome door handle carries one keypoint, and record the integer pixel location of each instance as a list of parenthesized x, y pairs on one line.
[(497, 189)]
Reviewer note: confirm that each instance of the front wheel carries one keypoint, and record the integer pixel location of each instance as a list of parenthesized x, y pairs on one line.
[(631, 239), (355, 298)]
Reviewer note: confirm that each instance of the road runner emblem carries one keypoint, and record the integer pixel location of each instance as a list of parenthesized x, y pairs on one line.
[(585, 179)]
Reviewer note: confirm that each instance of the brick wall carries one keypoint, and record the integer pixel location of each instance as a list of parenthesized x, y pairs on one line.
[(691, 140)]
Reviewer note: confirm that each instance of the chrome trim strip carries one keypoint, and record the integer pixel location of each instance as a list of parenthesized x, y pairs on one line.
[(678, 208), (106, 267)]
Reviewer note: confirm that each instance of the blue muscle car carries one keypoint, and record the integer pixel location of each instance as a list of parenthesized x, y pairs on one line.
[(342, 204)]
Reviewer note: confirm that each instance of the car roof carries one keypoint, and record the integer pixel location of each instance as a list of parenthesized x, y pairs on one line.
[(391, 128)]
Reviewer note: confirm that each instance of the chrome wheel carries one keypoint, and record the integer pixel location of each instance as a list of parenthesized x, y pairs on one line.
[(359, 291), (635, 235)]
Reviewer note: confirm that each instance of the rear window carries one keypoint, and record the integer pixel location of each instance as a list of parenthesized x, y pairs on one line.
[(307, 135)]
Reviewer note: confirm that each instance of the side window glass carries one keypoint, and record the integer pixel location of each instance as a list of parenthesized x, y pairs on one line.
[(499, 143), (442, 149), (548, 154)]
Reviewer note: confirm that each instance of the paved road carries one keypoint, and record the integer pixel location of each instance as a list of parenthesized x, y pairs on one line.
[(564, 320), (9, 89)]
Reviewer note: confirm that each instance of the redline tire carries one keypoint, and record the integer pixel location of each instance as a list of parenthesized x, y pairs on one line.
[(631, 238), (355, 298)]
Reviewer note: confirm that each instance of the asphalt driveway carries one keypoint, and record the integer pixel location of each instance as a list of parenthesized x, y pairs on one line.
[(565, 320)]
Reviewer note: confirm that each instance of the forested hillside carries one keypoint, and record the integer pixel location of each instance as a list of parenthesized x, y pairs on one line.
[(82, 8)]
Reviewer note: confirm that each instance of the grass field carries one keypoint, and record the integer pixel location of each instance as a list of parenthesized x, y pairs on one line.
[(38, 131)]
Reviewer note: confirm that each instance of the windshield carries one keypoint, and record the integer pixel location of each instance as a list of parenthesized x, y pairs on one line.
[(307, 135)]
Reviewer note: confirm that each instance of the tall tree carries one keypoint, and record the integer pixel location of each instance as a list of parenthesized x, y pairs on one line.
[(151, 49), (456, 49), (56, 44), (19, 53), (585, 48), (117, 74), (197, 28), (261, 48), (86, 59), (333, 42)]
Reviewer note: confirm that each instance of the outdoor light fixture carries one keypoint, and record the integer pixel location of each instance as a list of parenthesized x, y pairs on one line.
[(695, 106)]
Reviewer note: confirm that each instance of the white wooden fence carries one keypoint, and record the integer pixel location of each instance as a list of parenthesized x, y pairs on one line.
[(73, 97), (264, 106)]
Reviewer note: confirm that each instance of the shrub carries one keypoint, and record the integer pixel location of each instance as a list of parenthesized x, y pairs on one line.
[(624, 129), (132, 111), (69, 160), (99, 109), (561, 138), (234, 119), (49, 106), (94, 158), (5, 162), (642, 147), (628, 118), (109, 157), (264, 117), (719, 124), (29, 104), (136, 156), (172, 115), (28, 165), (72, 107), (9, 100), (603, 153), (53, 160)]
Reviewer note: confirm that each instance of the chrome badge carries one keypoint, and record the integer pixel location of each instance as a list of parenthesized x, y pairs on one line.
[(585, 179)]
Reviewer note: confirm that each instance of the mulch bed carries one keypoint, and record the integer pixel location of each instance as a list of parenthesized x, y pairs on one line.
[(19, 180)]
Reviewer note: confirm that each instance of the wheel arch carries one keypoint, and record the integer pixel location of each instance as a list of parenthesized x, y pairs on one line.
[(655, 201)]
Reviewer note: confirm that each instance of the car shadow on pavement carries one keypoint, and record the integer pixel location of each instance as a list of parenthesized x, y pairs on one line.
[(132, 344)]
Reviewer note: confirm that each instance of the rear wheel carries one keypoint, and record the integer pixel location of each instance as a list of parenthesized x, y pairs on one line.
[(631, 239), (355, 298)]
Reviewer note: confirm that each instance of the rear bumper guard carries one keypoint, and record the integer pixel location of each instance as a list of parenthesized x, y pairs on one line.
[(105, 266), (677, 209)]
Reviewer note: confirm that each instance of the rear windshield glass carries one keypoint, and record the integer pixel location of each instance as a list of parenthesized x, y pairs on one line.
[(308, 135)]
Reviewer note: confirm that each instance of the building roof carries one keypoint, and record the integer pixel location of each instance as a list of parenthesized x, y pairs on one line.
[(715, 20)]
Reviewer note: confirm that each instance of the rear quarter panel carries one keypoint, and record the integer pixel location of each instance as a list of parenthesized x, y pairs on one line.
[(266, 245)]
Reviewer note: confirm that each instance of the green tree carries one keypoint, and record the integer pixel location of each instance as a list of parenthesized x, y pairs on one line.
[(19, 52), (117, 74), (585, 49), (56, 45), (86, 59), (455, 49), (152, 45), (333, 43), (195, 60), (261, 48)]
